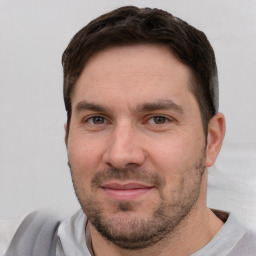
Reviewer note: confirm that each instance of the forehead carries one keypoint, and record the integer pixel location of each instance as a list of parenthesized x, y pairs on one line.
[(132, 72)]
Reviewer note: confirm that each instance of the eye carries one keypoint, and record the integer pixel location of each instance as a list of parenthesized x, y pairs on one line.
[(158, 120), (96, 120)]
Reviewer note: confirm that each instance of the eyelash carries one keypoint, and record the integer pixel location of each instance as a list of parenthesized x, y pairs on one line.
[(165, 119), (87, 120)]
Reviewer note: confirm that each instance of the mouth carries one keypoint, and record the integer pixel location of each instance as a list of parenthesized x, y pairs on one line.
[(125, 191)]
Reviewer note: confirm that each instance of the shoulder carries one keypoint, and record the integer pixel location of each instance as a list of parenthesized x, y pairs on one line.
[(8, 228), (34, 230), (241, 239), (246, 245), (233, 239)]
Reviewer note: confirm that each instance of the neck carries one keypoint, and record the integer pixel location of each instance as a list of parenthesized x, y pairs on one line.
[(192, 233)]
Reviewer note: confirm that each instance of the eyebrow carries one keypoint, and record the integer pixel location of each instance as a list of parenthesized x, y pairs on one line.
[(145, 107), (84, 105), (159, 105)]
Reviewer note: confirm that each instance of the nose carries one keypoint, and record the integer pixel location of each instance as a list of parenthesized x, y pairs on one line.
[(124, 148)]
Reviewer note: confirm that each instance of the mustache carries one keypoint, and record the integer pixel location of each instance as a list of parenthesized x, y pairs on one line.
[(130, 173)]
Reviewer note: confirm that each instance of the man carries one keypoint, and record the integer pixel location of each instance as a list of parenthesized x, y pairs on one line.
[(141, 94)]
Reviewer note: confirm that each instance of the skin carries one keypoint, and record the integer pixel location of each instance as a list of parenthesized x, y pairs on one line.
[(136, 144)]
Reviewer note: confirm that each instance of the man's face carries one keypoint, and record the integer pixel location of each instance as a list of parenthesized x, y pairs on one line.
[(136, 144)]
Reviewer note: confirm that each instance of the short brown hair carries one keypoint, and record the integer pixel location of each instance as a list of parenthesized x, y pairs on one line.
[(130, 25)]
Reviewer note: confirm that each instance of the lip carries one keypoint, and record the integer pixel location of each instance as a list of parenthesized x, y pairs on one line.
[(126, 191)]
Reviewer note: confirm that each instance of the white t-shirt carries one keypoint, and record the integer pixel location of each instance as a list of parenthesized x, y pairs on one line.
[(231, 240)]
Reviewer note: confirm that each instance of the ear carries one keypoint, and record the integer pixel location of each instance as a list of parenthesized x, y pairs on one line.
[(66, 134), (216, 133)]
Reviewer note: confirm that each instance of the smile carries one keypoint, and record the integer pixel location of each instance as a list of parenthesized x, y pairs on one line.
[(127, 191)]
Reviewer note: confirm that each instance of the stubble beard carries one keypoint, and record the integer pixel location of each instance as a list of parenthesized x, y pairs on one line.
[(128, 231)]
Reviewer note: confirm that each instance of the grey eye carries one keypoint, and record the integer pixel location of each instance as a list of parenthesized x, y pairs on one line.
[(159, 119), (98, 120)]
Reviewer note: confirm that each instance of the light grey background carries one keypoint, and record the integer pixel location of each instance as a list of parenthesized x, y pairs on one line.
[(33, 35)]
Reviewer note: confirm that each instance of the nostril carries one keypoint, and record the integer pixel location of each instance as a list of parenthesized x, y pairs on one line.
[(123, 159)]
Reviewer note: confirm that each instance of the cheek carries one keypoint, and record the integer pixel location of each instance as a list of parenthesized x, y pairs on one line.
[(175, 158), (84, 157), (175, 151)]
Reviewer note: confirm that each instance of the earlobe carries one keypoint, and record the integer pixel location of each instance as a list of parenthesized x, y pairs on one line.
[(216, 133)]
